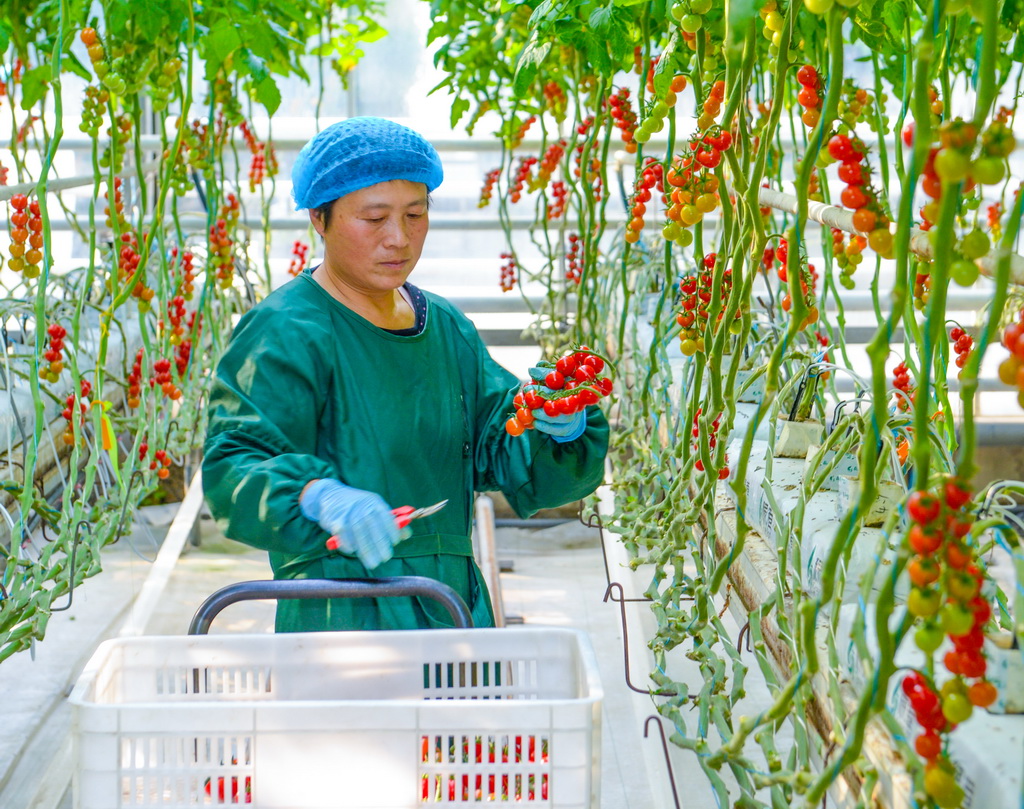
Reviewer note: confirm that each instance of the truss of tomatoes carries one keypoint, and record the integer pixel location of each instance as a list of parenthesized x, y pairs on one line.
[(570, 384)]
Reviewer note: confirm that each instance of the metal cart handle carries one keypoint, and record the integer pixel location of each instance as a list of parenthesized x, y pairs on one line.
[(331, 588)]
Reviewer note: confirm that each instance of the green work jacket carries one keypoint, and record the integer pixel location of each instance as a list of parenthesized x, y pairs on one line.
[(309, 389)]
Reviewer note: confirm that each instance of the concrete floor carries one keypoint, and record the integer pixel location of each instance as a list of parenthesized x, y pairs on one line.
[(557, 578)]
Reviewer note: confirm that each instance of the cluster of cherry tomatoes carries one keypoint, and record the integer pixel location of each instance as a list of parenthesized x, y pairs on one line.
[(963, 343), (808, 284), (651, 177), (68, 413), (847, 257), (624, 118), (300, 252), (162, 377), (54, 354), (118, 212), (188, 272), (1011, 370), (508, 272), (809, 96), (488, 188), (694, 194), (221, 242), (94, 106), (548, 164), (946, 601), (722, 473), (26, 227), (573, 260), (524, 176), (555, 99), (868, 216), (521, 131), (135, 381), (183, 350), (176, 315), (654, 121), (712, 106), (901, 381), (559, 196), (696, 292), (570, 384)]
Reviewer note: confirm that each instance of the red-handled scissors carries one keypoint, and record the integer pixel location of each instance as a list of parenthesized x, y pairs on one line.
[(406, 514), (403, 516)]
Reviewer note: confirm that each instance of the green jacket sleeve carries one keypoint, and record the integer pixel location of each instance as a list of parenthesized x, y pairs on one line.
[(265, 403), (532, 470)]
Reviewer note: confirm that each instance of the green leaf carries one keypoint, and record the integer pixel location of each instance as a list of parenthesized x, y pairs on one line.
[(268, 95), (260, 39), (528, 65), (665, 69), (73, 65), (459, 108), (624, 3), (257, 67), (445, 82), (221, 42), (741, 15), (5, 35), (34, 86)]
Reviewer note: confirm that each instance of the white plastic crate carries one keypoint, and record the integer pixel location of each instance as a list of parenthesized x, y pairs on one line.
[(375, 720)]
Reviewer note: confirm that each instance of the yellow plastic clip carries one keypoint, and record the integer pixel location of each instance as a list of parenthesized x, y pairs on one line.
[(107, 438)]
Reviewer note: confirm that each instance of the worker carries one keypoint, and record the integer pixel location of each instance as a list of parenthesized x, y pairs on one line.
[(348, 391)]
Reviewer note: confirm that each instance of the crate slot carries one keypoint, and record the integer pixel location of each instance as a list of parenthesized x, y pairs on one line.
[(473, 768), (235, 680), (186, 770)]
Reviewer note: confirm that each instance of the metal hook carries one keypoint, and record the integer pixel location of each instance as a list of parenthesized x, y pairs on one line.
[(71, 566), (664, 748), (625, 645), (744, 630), (590, 520)]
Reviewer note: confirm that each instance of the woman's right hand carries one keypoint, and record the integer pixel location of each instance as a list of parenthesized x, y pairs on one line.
[(362, 522)]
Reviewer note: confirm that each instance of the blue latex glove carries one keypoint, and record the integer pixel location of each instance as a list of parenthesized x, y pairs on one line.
[(562, 428), (361, 520)]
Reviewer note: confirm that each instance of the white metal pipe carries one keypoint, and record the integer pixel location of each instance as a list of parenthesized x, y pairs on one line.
[(920, 244)]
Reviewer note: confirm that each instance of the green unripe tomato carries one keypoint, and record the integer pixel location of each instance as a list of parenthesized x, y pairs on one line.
[(988, 170), (956, 708), (975, 244), (700, 6), (977, 8), (924, 603), (671, 231), (941, 786), (691, 23), (956, 620), (848, 3), (685, 238), (678, 11), (928, 637), (951, 165), (659, 110), (819, 6), (964, 272)]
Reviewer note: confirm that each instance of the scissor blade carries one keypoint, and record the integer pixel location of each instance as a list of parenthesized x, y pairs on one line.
[(426, 511)]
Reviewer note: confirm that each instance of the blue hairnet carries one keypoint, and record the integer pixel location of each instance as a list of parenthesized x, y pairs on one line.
[(358, 153)]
